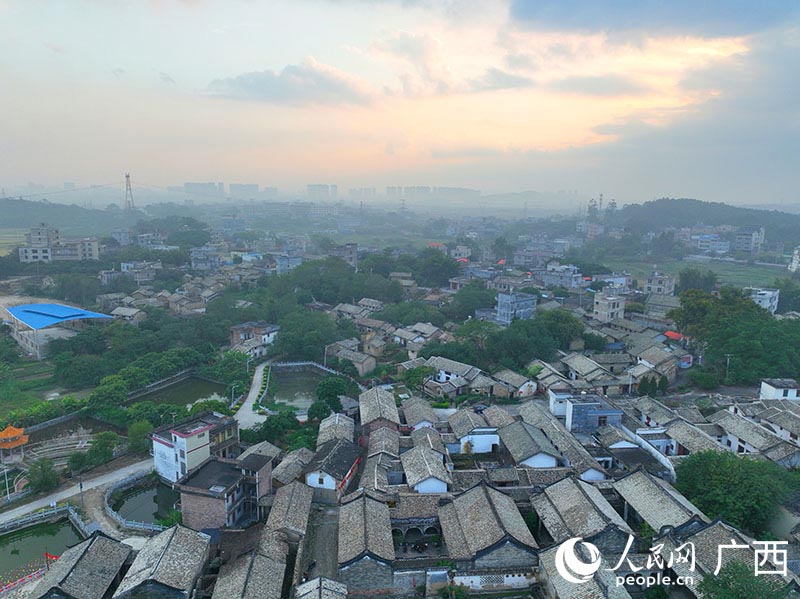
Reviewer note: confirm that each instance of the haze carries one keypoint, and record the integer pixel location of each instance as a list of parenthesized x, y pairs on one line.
[(634, 99)]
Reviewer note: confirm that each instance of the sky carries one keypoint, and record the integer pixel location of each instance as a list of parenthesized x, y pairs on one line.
[(636, 99)]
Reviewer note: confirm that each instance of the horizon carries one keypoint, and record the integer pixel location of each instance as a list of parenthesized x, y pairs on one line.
[(504, 97)]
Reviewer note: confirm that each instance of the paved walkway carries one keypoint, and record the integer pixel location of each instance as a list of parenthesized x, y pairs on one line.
[(72, 491), (246, 416)]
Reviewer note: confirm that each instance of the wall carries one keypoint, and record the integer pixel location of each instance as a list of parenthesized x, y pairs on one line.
[(200, 511), (480, 443), (328, 482), (541, 460), (164, 461), (505, 557), (367, 577), (431, 485)]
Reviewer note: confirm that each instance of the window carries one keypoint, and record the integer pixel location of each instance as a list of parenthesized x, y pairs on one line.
[(321, 479), (786, 393), (602, 420)]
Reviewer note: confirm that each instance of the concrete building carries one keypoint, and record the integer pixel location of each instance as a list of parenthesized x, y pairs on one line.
[(178, 449), (608, 305), (514, 306), (779, 389), (766, 298), (794, 265), (333, 466), (585, 413), (658, 282), (45, 244)]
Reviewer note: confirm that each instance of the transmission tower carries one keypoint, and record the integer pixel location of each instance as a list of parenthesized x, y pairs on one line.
[(129, 206)]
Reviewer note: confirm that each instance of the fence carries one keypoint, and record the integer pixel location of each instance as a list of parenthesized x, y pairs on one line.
[(129, 524), (37, 427), (43, 515), (165, 382)]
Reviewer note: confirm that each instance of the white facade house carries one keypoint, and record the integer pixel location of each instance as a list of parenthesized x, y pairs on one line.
[(558, 402), (473, 432), (779, 389), (766, 298), (431, 485), (320, 480)]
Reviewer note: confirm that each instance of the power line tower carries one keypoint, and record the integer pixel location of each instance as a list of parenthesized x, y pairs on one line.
[(130, 208)]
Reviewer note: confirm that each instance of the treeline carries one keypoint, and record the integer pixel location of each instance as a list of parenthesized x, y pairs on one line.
[(490, 347), (741, 342)]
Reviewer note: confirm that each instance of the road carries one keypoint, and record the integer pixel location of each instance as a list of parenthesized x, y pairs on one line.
[(246, 416), (92, 483)]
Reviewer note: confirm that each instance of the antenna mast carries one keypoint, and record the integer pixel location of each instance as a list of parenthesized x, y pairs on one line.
[(130, 208)]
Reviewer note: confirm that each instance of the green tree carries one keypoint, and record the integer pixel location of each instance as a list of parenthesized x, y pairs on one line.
[(139, 436), (663, 385), (414, 378), (331, 387), (743, 492), (76, 461), (42, 476), (468, 299), (736, 580), (694, 278), (102, 449), (318, 410), (434, 268)]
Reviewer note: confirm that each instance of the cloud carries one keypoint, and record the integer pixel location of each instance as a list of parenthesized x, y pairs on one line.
[(599, 85), (421, 53), (495, 78), (118, 72), (53, 47), (710, 17), (310, 82), (165, 78)]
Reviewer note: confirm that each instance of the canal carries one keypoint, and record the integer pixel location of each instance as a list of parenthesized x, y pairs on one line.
[(146, 504), (185, 392), (22, 551)]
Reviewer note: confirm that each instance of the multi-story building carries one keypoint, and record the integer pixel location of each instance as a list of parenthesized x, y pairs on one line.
[(766, 298), (794, 265), (122, 236), (179, 448), (44, 244), (779, 389), (141, 272), (562, 275), (608, 305), (660, 283), (347, 252), (514, 306), (749, 239)]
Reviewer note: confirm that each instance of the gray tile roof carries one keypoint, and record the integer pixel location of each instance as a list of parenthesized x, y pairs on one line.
[(251, 576), (365, 530), (291, 508), (511, 378), (574, 508), (523, 441), (421, 463), (655, 500), (426, 436), (468, 371), (464, 421), (321, 588), (480, 518), (377, 403), (85, 571), (565, 442), (691, 437), (601, 586), (497, 416), (336, 426), (746, 430), (418, 410), (375, 476), (173, 558), (292, 465), (334, 458), (384, 440)]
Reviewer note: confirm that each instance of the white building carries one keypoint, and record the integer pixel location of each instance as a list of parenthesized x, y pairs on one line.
[(766, 298), (778, 389), (473, 432), (608, 306), (794, 265)]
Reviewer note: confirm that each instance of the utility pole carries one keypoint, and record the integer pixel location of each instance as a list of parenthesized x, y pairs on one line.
[(129, 206), (727, 365)]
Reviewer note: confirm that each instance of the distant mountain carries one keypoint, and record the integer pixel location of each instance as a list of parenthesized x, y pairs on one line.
[(667, 212), (71, 219)]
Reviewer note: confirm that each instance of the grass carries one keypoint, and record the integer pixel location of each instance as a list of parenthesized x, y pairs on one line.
[(10, 238), (738, 275)]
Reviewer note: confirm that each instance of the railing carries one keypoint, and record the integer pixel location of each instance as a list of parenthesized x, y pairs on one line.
[(160, 384), (4, 590), (320, 367), (48, 514), (129, 524)]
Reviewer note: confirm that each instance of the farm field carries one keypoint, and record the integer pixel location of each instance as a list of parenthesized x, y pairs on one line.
[(9, 239), (738, 275)]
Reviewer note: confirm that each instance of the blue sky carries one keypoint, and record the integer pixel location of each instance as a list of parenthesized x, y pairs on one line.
[(634, 99)]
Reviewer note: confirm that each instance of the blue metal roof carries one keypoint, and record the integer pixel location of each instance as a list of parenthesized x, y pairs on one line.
[(40, 316)]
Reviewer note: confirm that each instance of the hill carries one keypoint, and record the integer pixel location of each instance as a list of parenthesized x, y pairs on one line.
[(668, 212), (71, 219)]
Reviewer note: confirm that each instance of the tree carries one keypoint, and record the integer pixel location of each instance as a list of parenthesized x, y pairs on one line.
[(468, 299), (330, 388), (743, 492), (414, 378), (663, 385), (434, 268), (318, 410), (139, 436), (76, 461), (102, 449), (694, 278), (736, 580), (42, 476)]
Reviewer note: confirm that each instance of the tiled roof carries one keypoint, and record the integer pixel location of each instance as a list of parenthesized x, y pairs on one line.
[(334, 458), (497, 417), (365, 530), (464, 421), (426, 436), (292, 465), (480, 518), (418, 410), (655, 500), (377, 403), (384, 440), (336, 426), (291, 508), (420, 464), (321, 588), (523, 441)]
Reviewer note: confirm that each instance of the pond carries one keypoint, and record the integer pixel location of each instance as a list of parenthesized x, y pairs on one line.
[(784, 523), (82, 425), (185, 392), (22, 551), (146, 504), (297, 388)]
